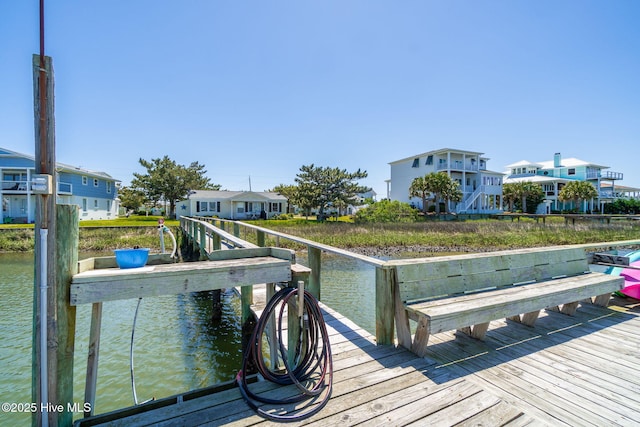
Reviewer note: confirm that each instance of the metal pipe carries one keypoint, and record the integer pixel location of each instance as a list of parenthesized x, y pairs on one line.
[(44, 377)]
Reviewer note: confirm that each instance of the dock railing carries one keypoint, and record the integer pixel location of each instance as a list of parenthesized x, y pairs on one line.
[(200, 228), (209, 229)]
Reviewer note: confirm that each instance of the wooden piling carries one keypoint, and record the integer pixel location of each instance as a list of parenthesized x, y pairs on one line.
[(67, 223), (45, 232)]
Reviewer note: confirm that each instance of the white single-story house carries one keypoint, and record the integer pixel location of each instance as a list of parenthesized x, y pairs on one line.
[(96, 193), (232, 204)]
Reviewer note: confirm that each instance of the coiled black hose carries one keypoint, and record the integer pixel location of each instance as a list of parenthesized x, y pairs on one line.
[(313, 372)]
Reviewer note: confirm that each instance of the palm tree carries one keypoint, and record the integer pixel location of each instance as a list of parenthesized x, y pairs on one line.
[(510, 194), (577, 191), (529, 189), (419, 188)]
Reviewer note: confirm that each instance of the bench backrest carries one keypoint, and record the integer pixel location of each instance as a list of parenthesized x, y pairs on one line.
[(426, 278)]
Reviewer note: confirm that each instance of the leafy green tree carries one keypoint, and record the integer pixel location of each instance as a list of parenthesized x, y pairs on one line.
[(386, 211), (438, 184), (323, 186), (623, 206), (169, 181), (131, 198), (288, 191), (577, 191)]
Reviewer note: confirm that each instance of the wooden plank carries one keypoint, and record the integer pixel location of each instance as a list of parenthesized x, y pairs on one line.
[(498, 415), (93, 357), (571, 374), (437, 277), (113, 284), (238, 253), (451, 313)]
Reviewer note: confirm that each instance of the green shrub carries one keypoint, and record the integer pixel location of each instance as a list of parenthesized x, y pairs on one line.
[(386, 211)]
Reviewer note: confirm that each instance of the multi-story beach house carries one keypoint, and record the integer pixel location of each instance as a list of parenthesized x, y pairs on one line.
[(554, 174), (481, 188), (94, 192)]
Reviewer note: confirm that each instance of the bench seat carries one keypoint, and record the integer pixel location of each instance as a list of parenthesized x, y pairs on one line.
[(472, 304)]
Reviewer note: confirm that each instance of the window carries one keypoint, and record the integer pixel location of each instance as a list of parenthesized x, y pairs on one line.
[(95, 204), (416, 163), (275, 207), (85, 180), (108, 186), (214, 206), (429, 160), (571, 171), (84, 205), (95, 182)]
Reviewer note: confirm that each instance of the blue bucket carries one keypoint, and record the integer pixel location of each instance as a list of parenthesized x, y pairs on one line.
[(131, 258)]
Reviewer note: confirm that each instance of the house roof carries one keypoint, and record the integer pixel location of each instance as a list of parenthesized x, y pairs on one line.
[(619, 187), (524, 163), (440, 151), (60, 167), (237, 195), (549, 164)]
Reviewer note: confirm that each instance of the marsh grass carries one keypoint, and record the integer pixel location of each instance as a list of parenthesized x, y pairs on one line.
[(105, 235), (436, 236), (481, 235)]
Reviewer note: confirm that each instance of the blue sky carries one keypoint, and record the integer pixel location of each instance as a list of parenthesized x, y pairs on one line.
[(259, 88)]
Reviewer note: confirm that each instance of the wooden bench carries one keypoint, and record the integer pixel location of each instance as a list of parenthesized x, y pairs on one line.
[(466, 292)]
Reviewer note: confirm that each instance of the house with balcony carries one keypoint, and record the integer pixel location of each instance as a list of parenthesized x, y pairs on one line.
[(481, 188), (554, 174), (94, 192), (232, 204)]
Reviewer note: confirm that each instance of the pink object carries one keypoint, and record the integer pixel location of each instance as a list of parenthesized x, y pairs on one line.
[(631, 275), (631, 281)]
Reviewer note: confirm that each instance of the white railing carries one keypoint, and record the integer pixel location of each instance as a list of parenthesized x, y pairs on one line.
[(458, 166)]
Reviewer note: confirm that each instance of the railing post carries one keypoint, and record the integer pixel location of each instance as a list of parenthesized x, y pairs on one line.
[(203, 241), (236, 229), (315, 262), (260, 237), (385, 282)]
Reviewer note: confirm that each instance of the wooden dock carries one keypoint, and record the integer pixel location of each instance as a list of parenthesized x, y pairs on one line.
[(580, 370)]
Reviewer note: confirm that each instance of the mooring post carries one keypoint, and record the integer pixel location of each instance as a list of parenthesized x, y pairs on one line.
[(385, 282), (67, 224), (44, 379), (315, 262)]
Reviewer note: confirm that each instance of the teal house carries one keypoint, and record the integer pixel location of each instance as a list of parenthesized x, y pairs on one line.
[(554, 174)]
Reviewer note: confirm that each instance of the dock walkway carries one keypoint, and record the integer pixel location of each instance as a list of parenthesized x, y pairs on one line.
[(580, 370)]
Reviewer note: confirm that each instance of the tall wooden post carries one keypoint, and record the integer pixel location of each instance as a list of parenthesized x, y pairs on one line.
[(385, 283), (67, 223), (45, 247), (315, 264)]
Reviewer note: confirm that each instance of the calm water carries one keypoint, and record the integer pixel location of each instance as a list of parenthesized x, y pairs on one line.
[(176, 347)]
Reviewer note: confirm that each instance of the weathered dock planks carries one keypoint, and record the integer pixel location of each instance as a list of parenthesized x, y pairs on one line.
[(579, 370)]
